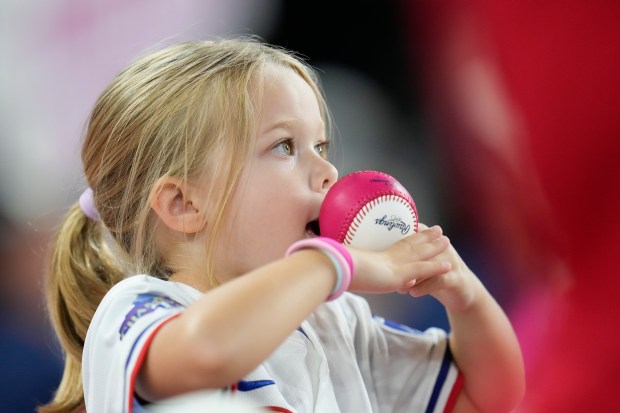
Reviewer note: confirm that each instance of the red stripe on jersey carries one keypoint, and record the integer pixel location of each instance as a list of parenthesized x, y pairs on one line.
[(140, 360), (454, 393), (277, 409)]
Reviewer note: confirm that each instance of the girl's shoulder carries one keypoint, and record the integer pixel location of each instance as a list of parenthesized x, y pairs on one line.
[(146, 285), (135, 304), (140, 295)]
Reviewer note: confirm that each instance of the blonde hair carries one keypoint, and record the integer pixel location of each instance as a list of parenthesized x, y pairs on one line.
[(168, 114)]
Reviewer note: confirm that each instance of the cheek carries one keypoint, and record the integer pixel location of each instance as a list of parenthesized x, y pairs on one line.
[(256, 217), (265, 216), (268, 210), (270, 220)]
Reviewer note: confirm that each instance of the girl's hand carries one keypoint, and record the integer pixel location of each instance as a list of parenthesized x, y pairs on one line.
[(456, 289), (417, 258)]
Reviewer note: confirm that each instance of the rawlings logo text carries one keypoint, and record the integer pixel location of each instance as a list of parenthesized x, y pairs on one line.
[(393, 222)]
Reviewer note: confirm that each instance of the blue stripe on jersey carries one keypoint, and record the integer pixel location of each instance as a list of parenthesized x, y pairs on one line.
[(399, 327), (441, 378), (301, 330), (253, 385), (137, 407)]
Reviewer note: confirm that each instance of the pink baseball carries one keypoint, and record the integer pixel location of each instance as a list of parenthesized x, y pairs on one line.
[(369, 210)]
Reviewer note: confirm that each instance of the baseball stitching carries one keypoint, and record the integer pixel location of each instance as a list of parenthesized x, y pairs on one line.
[(366, 209)]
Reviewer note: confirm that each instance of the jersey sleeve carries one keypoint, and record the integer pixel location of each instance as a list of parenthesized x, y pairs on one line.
[(118, 338), (403, 368)]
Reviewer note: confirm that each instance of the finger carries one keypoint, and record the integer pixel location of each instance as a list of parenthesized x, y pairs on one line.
[(421, 246), (431, 232), (407, 286), (422, 270), (431, 248), (424, 228), (426, 235), (428, 286)]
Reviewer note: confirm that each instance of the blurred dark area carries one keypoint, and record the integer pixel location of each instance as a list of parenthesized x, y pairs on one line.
[(29, 354)]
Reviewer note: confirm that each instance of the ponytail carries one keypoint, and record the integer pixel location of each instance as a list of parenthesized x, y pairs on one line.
[(81, 270)]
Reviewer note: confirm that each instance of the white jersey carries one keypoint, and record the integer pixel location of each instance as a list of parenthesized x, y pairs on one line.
[(341, 359)]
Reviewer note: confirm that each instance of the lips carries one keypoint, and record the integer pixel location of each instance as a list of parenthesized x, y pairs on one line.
[(312, 228)]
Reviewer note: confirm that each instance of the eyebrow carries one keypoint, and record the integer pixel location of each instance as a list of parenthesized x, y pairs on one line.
[(287, 124), (284, 124)]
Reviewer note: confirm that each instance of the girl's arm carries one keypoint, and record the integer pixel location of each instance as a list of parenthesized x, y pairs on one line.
[(236, 326), (487, 353), (482, 341)]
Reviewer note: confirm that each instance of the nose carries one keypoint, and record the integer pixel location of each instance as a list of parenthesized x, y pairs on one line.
[(324, 176)]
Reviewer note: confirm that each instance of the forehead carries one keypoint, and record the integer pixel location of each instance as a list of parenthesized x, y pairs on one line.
[(274, 76), (281, 90)]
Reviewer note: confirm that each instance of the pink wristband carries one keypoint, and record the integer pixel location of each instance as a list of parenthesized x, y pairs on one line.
[(338, 254)]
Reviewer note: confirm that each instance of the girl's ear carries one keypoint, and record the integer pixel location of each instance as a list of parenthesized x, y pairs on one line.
[(179, 205)]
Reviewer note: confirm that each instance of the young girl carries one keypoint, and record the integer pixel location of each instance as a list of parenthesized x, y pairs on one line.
[(193, 262)]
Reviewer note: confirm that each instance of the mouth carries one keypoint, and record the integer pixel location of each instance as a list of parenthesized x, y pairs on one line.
[(313, 229)]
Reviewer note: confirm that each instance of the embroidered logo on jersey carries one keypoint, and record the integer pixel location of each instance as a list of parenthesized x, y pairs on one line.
[(143, 305)]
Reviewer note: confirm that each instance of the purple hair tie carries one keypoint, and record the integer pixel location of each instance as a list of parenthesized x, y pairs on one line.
[(87, 203)]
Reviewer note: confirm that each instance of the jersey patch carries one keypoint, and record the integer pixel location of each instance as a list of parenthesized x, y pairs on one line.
[(143, 305)]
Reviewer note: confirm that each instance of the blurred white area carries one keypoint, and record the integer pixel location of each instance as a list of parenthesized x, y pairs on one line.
[(57, 56), (202, 402)]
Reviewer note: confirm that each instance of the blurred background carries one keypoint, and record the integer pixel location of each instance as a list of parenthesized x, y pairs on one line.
[(499, 117)]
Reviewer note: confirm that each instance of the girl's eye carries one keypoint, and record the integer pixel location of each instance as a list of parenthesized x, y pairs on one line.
[(285, 148), (322, 149)]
